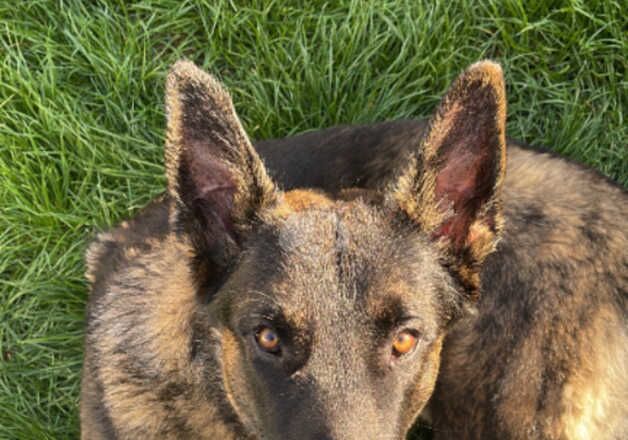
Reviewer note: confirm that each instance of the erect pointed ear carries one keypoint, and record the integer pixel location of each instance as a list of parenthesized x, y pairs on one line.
[(451, 188), (215, 177)]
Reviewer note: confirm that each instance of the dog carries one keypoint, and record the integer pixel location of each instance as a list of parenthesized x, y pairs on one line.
[(337, 284)]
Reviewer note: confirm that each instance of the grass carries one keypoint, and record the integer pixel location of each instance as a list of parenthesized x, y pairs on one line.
[(82, 123)]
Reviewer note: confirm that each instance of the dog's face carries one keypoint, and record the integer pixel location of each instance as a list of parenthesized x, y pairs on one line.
[(325, 317), (333, 320)]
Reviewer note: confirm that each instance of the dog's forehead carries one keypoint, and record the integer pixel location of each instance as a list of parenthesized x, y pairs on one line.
[(345, 257), (342, 239)]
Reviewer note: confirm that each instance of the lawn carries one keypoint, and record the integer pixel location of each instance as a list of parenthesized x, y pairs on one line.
[(82, 123)]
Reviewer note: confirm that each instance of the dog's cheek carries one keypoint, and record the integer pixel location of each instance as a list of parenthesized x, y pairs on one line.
[(236, 373), (421, 387)]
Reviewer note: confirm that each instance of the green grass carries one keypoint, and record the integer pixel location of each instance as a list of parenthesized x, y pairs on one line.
[(81, 123)]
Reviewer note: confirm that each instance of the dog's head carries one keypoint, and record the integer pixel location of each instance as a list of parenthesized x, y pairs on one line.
[(324, 317)]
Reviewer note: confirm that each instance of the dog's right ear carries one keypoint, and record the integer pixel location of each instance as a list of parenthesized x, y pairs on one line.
[(215, 177), (451, 187)]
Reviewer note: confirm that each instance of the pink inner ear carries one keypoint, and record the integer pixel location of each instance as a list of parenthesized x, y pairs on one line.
[(466, 162), (463, 184), (207, 185)]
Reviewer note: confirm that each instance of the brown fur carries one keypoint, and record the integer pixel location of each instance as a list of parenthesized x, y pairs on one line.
[(539, 356), (514, 282)]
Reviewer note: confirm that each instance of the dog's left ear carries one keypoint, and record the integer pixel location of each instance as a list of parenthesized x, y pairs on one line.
[(215, 177), (451, 187)]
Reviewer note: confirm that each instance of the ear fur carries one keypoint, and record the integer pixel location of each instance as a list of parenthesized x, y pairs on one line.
[(215, 177), (451, 187)]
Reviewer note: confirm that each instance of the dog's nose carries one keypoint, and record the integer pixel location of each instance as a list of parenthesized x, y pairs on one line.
[(322, 436)]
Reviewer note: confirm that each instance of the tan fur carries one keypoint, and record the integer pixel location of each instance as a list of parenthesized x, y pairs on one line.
[(176, 304), (90, 425), (594, 403), (299, 200), (233, 367), (427, 382), (94, 253), (171, 302)]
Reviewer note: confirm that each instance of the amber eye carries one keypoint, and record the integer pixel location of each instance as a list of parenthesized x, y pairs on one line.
[(404, 343), (267, 339)]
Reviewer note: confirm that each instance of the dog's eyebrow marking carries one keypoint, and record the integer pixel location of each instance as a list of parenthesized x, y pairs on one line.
[(264, 299), (298, 200), (301, 199)]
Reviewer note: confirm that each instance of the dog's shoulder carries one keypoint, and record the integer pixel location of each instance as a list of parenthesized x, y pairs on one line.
[(550, 329), (104, 254)]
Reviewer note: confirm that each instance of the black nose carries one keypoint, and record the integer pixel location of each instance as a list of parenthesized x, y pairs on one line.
[(321, 436)]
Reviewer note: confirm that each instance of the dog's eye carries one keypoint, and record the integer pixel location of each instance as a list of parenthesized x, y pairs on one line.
[(404, 343), (267, 339)]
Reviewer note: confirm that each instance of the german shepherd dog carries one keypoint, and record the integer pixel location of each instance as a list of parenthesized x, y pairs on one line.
[(333, 284)]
